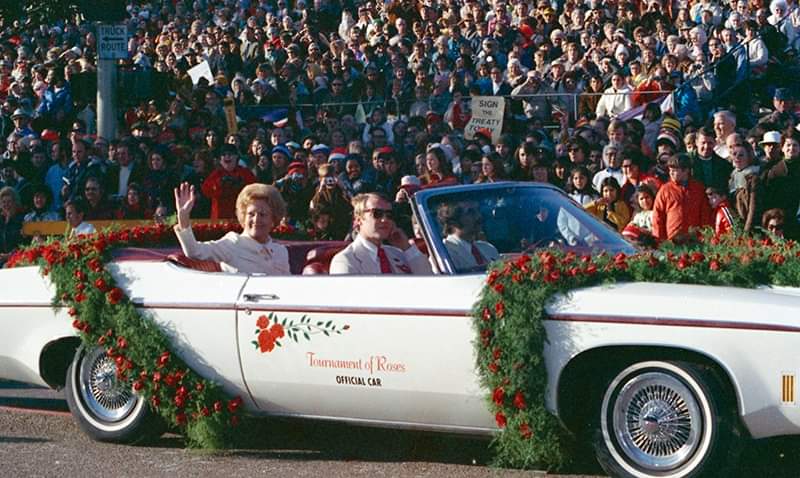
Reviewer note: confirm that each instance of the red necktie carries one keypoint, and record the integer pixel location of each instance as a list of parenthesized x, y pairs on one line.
[(477, 255), (386, 267)]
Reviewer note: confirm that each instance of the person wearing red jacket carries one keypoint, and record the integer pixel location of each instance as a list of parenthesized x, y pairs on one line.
[(222, 186), (681, 203), (723, 218)]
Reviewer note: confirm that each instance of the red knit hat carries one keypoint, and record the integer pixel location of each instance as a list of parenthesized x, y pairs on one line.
[(298, 167)]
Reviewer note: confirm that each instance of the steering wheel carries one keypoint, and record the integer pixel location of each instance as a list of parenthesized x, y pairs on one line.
[(554, 240)]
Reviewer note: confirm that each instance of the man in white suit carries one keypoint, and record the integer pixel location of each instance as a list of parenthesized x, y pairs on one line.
[(367, 254), (462, 222)]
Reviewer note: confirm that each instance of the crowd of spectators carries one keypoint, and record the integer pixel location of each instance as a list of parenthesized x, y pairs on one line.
[(655, 115)]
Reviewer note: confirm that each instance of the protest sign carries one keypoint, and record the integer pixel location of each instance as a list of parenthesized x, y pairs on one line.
[(487, 117)]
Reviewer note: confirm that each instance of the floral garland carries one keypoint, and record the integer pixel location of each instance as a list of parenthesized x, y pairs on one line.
[(103, 316), (508, 322)]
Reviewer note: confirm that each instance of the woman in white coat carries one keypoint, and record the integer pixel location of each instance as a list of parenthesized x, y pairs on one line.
[(259, 208)]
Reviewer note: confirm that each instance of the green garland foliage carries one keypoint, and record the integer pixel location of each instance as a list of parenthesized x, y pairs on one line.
[(508, 320), (103, 316)]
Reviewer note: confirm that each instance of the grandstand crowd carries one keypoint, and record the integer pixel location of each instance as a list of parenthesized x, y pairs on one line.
[(655, 115)]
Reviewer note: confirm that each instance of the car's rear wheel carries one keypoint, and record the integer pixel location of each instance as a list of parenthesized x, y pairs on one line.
[(663, 419), (106, 408)]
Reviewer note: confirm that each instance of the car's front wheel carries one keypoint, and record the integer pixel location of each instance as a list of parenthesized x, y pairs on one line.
[(663, 419), (106, 408)]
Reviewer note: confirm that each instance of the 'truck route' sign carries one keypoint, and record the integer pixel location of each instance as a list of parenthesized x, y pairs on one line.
[(112, 42)]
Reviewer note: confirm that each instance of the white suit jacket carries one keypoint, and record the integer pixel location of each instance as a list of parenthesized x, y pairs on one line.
[(461, 252), (361, 257)]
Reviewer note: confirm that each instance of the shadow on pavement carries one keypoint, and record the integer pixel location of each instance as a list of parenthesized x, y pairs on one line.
[(23, 440), (35, 403)]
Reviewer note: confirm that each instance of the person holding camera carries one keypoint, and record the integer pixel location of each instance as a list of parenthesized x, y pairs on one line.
[(223, 185), (331, 197), (297, 191)]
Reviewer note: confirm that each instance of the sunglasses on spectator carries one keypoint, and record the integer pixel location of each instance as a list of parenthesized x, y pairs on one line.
[(774, 227), (379, 213)]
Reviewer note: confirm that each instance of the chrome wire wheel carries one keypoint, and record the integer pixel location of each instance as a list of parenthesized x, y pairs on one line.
[(656, 420), (107, 408), (108, 398)]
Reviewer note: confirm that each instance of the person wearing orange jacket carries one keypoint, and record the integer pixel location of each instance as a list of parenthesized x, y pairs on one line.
[(223, 185), (681, 203)]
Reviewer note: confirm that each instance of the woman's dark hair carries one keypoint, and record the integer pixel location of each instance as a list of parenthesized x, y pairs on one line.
[(611, 183), (444, 164), (645, 188), (771, 214), (80, 204), (497, 163)]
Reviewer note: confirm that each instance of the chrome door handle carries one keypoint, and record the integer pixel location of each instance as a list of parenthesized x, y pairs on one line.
[(260, 297)]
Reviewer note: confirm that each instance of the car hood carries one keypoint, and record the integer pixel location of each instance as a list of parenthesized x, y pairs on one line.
[(764, 308)]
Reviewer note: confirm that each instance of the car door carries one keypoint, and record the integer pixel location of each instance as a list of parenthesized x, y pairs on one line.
[(390, 348)]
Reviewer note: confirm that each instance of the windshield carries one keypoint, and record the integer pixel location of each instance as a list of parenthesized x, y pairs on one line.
[(478, 226)]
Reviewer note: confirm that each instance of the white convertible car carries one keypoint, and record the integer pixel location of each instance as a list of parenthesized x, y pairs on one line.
[(663, 377)]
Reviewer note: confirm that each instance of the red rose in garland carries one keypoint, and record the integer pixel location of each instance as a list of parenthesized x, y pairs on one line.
[(498, 396), (101, 285), (500, 419), (519, 400)]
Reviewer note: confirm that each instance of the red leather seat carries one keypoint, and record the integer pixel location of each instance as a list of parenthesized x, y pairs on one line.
[(195, 264), (318, 260), (421, 245)]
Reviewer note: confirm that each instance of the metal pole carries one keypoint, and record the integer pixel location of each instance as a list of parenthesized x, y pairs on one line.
[(106, 99)]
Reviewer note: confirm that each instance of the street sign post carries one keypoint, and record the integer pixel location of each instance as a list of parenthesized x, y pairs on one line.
[(112, 45)]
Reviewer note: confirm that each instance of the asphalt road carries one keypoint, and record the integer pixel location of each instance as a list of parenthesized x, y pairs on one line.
[(39, 438)]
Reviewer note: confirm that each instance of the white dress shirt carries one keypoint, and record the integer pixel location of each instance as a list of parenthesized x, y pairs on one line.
[(461, 252), (237, 253)]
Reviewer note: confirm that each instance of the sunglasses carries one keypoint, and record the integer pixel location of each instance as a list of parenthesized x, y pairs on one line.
[(379, 213)]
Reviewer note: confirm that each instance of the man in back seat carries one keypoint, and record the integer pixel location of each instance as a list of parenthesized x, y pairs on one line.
[(374, 219)]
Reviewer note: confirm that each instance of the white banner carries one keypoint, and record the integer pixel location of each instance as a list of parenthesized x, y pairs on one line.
[(201, 70)]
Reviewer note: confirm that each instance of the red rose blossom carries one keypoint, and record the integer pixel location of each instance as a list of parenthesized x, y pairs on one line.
[(180, 418), (525, 431), (234, 404), (500, 419), (101, 285), (496, 353), (498, 396), (714, 265), (114, 295), (500, 309), (519, 400), (218, 406), (262, 322)]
